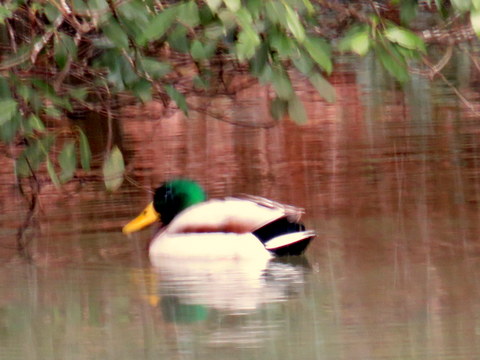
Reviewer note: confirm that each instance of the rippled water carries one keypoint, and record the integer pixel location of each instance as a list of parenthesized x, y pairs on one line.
[(389, 181)]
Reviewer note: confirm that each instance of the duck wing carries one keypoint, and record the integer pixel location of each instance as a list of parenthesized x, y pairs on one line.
[(231, 215)]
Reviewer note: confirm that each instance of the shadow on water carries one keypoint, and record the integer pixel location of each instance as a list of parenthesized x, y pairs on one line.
[(390, 183)]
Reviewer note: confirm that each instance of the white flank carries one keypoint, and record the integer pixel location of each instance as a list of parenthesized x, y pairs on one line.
[(219, 212)]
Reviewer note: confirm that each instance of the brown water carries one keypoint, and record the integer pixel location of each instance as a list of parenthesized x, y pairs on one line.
[(389, 180)]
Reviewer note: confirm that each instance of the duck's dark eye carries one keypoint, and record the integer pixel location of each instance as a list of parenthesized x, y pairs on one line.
[(168, 193)]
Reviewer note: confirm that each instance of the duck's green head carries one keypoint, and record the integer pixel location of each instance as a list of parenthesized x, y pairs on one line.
[(169, 199)]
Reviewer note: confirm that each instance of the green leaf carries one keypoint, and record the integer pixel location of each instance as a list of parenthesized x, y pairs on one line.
[(113, 169), (177, 97), (254, 7), (266, 75), (324, 88), (78, 93), (25, 92), (67, 161), (393, 63), (35, 123), (6, 12), (178, 39), (302, 61), (46, 90), (282, 85), (53, 111), (188, 14), (229, 20), (475, 20), (319, 50), (408, 10), (275, 12), (51, 12), (97, 5), (294, 24), (60, 52), (440, 6), (36, 102), (233, 5), (85, 152), (282, 43), (9, 109), (259, 60), (44, 87), (114, 32), (214, 31), (143, 90), (247, 44), (296, 110), (5, 92), (207, 16), (308, 5), (356, 40), (52, 173), (154, 68), (201, 82), (278, 108), (79, 6), (69, 44), (197, 51), (214, 5), (30, 158), (133, 11), (360, 43), (158, 26), (244, 19), (210, 48), (8, 130), (461, 5), (405, 38)]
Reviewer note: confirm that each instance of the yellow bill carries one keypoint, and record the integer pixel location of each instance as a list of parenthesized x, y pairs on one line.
[(147, 216)]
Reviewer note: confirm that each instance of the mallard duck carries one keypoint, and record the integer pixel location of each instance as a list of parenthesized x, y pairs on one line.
[(227, 228)]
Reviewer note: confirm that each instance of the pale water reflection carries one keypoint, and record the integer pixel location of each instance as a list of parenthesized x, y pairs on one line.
[(325, 309)]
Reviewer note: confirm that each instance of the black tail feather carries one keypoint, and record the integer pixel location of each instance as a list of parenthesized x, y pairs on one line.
[(281, 227)]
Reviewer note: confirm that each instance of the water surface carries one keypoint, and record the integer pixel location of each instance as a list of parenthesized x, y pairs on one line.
[(389, 180)]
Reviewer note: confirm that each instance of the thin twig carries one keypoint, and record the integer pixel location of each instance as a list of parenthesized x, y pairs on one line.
[(39, 45), (11, 33), (462, 98), (66, 68), (268, 125), (22, 243), (109, 120)]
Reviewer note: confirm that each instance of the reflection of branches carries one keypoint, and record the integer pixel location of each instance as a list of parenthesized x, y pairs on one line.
[(449, 36), (435, 70), (473, 59), (204, 110), (462, 98), (108, 107), (345, 9), (22, 241)]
